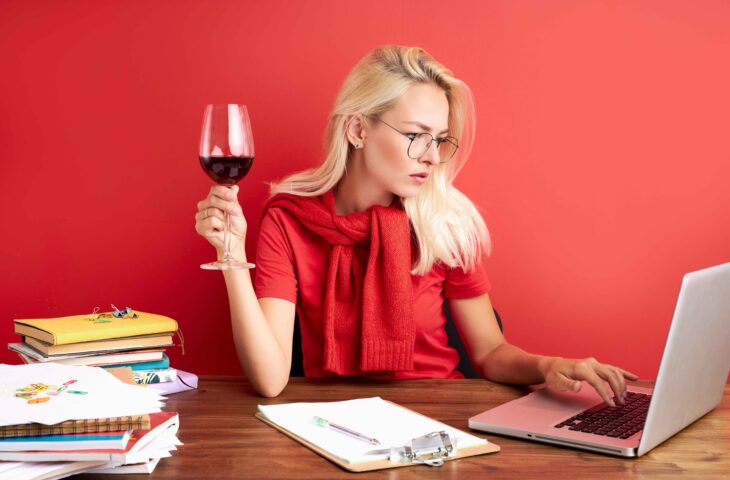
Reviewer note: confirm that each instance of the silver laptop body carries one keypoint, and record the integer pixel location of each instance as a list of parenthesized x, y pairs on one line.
[(690, 383)]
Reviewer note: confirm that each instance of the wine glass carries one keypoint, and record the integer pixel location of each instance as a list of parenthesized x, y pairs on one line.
[(226, 155)]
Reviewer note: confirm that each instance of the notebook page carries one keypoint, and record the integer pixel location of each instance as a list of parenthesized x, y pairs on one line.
[(90, 392), (390, 424)]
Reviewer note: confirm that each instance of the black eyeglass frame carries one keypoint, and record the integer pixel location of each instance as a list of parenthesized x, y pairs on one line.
[(413, 136)]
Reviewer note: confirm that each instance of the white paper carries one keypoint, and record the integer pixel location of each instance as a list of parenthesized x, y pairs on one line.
[(7, 466), (177, 385), (106, 395), (391, 424), (142, 467), (50, 470), (161, 446)]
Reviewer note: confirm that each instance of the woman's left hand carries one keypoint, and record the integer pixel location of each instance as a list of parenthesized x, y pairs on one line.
[(567, 374)]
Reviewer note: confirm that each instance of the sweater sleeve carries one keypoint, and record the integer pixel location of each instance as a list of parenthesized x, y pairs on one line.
[(275, 271), (460, 284)]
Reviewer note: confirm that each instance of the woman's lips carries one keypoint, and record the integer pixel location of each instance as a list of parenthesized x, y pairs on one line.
[(420, 178)]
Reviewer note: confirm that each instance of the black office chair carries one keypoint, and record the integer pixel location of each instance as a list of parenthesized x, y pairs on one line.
[(465, 366), (297, 358)]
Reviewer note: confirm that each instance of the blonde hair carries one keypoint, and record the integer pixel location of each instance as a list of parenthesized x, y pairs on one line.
[(446, 224)]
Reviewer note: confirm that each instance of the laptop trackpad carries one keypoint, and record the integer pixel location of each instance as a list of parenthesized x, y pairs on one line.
[(560, 403), (543, 407)]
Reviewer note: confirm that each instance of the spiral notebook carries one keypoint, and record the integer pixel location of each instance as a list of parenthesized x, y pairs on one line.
[(389, 423), (88, 425)]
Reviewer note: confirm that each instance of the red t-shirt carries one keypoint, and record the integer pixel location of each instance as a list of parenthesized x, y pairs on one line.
[(291, 263)]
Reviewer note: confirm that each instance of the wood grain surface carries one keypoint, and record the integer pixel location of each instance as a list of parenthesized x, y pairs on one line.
[(223, 439)]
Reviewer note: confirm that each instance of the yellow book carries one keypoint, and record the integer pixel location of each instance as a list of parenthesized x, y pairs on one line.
[(84, 328)]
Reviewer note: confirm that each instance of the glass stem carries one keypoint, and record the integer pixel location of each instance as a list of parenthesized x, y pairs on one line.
[(227, 239)]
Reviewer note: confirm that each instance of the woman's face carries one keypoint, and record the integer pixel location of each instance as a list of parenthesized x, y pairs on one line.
[(423, 108)]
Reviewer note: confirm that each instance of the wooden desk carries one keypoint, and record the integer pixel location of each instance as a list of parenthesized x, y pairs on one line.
[(224, 440)]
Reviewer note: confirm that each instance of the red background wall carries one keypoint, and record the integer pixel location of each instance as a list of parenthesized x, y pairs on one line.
[(601, 164)]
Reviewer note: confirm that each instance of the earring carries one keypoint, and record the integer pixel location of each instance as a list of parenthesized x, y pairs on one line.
[(357, 145)]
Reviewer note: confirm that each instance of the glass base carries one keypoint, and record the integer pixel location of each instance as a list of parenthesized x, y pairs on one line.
[(227, 265)]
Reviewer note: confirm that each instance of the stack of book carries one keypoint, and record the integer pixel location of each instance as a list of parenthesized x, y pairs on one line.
[(132, 444), (60, 420), (115, 339)]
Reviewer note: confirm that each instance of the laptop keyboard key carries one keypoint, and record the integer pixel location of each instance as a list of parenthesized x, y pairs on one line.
[(620, 421)]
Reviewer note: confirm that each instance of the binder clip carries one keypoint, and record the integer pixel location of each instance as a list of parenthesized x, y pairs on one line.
[(430, 449), (126, 313)]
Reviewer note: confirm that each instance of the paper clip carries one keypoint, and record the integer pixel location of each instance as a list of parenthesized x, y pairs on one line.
[(97, 317)]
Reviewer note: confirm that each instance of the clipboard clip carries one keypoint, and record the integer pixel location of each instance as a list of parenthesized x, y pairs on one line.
[(430, 449)]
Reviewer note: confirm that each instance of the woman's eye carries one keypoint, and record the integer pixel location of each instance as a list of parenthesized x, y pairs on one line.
[(411, 136)]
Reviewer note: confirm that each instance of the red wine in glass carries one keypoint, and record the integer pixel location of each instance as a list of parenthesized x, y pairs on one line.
[(226, 170), (226, 155)]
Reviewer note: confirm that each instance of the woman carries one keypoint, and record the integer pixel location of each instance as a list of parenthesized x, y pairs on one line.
[(368, 246)]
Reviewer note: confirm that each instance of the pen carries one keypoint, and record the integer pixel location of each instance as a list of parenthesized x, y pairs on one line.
[(326, 423)]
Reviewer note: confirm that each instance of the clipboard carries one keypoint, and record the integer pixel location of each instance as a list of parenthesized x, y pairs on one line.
[(377, 464)]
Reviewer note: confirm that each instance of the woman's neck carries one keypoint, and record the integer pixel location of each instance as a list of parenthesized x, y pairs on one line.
[(357, 192)]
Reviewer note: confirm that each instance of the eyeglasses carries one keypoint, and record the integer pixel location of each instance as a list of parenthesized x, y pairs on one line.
[(421, 142)]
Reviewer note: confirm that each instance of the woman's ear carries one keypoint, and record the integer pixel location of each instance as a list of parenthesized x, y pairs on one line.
[(356, 130)]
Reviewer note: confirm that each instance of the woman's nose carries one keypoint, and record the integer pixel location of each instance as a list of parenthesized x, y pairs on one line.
[(432, 155)]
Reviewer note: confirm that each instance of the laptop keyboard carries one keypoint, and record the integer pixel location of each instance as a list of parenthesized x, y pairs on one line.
[(621, 421)]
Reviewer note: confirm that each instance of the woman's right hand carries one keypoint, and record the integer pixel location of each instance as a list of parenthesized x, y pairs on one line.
[(210, 221)]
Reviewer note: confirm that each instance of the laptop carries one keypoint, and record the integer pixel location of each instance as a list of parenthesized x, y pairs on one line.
[(691, 380)]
